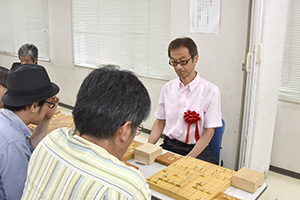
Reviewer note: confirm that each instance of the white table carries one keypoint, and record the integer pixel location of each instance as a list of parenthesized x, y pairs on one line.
[(149, 170)]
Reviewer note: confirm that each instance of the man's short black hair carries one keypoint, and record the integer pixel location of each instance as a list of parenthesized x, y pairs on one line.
[(3, 76), (183, 42), (108, 98)]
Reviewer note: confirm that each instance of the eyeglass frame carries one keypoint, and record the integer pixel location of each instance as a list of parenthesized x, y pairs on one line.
[(52, 105), (182, 62), (141, 128)]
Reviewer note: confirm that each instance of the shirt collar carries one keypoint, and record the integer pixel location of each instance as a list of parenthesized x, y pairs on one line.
[(102, 151), (15, 120), (192, 84)]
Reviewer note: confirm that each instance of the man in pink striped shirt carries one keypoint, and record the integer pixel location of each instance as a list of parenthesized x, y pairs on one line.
[(189, 107)]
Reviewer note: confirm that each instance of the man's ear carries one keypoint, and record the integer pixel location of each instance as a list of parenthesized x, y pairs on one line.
[(34, 108), (196, 59), (124, 132), (3, 88)]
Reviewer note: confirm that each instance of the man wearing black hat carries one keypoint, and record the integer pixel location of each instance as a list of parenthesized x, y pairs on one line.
[(30, 98), (3, 83)]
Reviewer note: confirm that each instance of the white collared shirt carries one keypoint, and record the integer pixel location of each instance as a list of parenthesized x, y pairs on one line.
[(200, 96)]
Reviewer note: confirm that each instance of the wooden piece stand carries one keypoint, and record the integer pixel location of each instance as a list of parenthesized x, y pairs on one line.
[(168, 158), (130, 165), (223, 196)]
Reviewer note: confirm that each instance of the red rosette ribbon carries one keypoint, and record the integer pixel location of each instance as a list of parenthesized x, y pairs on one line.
[(191, 117)]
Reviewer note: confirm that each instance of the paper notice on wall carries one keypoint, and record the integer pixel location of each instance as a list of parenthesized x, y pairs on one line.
[(205, 16)]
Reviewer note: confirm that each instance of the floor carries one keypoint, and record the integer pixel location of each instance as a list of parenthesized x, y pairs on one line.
[(280, 187)]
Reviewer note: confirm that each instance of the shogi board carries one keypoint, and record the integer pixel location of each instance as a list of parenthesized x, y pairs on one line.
[(130, 151), (191, 179), (168, 158), (223, 196), (58, 120)]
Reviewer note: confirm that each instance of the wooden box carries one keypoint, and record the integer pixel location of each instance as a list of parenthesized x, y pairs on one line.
[(248, 179), (147, 153)]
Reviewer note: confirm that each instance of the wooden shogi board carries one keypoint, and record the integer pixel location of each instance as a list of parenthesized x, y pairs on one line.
[(58, 120), (130, 151), (191, 179), (168, 158)]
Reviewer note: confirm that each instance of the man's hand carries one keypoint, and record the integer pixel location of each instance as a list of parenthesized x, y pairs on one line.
[(41, 130), (51, 111), (157, 130), (201, 144)]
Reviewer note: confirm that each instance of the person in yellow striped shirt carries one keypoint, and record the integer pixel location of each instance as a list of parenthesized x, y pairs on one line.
[(85, 163)]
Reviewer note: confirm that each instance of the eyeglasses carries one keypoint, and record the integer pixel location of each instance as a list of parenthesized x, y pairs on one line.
[(182, 62), (51, 104), (141, 128)]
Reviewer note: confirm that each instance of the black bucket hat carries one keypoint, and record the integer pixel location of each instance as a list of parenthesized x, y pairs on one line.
[(27, 84)]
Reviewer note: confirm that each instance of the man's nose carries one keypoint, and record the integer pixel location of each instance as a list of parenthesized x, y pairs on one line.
[(178, 66)]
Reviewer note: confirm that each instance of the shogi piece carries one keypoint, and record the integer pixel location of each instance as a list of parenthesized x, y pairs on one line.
[(248, 179), (168, 158), (129, 154), (147, 153)]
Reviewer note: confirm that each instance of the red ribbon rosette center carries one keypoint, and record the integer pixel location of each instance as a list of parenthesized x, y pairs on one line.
[(191, 117)]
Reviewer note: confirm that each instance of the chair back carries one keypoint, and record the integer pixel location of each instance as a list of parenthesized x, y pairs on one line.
[(216, 141)]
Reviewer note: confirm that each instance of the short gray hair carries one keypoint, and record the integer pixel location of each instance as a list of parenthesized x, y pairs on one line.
[(28, 50)]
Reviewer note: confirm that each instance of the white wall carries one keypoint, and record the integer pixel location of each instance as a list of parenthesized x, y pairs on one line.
[(266, 75), (286, 148), (221, 58)]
